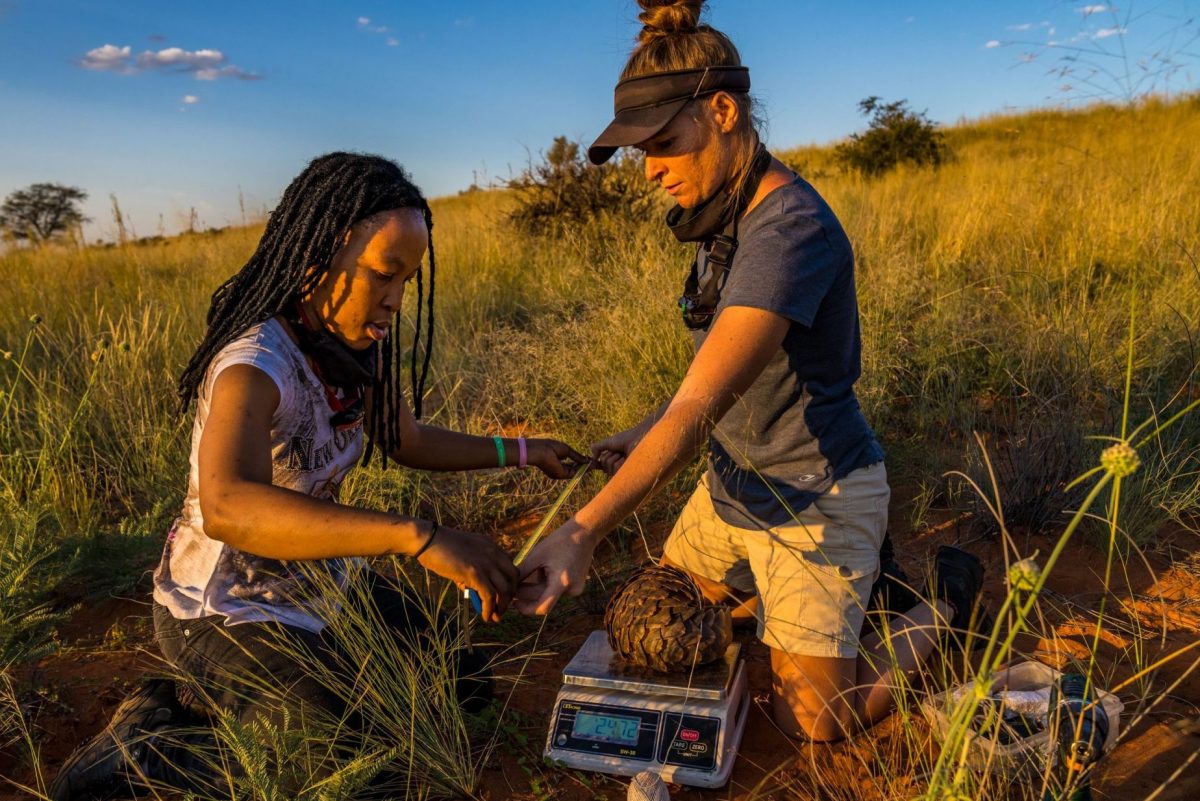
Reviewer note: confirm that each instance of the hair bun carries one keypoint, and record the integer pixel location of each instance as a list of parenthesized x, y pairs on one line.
[(668, 17)]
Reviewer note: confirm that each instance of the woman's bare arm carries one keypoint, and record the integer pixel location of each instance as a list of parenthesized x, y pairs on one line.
[(738, 347), (741, 342), (243, 508), (427, 447)]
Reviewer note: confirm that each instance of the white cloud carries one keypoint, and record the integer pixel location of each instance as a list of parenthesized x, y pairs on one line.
[(180, 59), (206, 64), (392, 41), (1087, 11), (1104, 33), (230, 71), (108, 58), (1029, 26), (992, 43), (464, 22), (365, 24), (190, 100)]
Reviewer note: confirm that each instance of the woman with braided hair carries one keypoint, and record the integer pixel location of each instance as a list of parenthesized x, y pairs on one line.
[(789, 520), (297, 379)]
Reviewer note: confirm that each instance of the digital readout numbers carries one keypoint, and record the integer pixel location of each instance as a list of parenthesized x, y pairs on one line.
[(606, 728)]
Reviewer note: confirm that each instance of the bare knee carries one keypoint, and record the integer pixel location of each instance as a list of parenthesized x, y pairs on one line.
[(814, 698)]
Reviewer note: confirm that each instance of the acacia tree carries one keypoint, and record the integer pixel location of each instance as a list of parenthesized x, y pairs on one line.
[(42, 211)]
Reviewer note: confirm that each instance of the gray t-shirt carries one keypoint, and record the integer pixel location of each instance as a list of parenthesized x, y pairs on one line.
[(798, 428), (199, 575)]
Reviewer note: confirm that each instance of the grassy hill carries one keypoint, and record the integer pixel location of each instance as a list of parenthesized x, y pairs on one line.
[(998, 295)]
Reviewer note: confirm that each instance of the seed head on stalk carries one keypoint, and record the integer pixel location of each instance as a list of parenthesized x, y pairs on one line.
[(1121, 460), (1023, 575)]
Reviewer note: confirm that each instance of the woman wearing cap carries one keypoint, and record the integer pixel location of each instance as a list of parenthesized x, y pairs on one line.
[(789, 519)]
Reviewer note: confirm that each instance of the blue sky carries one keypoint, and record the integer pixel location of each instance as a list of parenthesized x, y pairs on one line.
[(175, 105)]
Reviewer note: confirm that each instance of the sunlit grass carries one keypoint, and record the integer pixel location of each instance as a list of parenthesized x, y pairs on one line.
[(995, 296)]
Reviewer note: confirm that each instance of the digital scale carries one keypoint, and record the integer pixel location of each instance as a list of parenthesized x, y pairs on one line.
[(614, 718)]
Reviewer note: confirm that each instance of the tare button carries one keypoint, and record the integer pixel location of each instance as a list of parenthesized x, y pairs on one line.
[(694, 743)]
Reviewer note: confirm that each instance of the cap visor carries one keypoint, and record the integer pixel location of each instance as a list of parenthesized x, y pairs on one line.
[(631, 127)]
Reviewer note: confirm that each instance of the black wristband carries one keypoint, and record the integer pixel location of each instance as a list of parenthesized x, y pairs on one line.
[(428, 542)]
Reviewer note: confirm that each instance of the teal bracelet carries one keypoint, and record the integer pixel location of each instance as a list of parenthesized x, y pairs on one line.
[(500, 449)]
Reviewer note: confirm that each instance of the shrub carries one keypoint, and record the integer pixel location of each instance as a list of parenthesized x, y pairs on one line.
[(565, 190), (895, 134)]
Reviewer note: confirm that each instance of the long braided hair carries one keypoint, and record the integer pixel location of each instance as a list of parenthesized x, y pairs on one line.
[(303, 234)]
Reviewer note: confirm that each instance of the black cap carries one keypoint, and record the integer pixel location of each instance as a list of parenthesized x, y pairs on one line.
[(644, 105)]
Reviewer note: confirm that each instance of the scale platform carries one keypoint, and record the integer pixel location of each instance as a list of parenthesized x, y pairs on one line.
[(611, 717)]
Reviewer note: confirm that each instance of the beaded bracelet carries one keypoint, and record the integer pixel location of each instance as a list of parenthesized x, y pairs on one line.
[(523, 451), (428, 542)]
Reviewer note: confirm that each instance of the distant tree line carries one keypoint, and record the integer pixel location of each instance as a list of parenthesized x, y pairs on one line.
[(560, 190)]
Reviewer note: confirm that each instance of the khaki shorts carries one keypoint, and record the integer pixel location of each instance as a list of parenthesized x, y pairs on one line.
[(813, 576)]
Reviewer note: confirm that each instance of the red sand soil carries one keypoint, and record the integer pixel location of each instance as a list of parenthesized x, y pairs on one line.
[(107, 646)]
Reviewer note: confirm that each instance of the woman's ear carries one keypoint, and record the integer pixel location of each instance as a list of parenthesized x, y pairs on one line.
[(724, 111)]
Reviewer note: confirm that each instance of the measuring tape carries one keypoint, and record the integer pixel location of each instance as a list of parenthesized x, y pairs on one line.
[(542, 527)]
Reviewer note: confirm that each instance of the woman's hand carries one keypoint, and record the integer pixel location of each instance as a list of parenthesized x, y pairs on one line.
[(556, 566), (555, 459), (611, 453), (472, 560)]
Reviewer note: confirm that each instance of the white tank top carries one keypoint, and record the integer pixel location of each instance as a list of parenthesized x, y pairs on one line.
[(199, 576)]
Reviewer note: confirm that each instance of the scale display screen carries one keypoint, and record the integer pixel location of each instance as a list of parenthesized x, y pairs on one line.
[(606, 728)]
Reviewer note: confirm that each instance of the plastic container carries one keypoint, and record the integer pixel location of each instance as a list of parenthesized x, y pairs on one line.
[(1029, 756)]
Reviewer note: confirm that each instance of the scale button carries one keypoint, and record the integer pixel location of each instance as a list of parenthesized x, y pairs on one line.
[(561, 739), (700, 748), (679, 745), (691, 735)]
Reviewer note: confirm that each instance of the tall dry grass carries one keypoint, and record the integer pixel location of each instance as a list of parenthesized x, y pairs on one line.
[(995, 294)]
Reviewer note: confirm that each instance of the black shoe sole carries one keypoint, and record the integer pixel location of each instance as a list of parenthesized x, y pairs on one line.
[(958, 573), (101, 767)]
